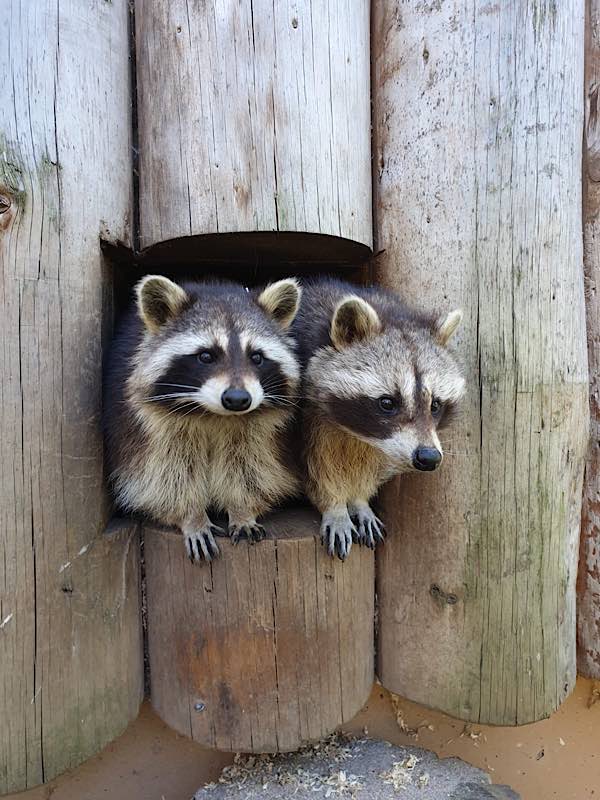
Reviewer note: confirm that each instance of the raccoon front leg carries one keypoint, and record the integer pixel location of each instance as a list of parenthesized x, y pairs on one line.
[(243, 524), (199, 540), (369, 528)]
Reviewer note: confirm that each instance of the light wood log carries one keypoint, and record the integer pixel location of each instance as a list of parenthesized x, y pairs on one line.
[(266, 648), (255, 116), (478, 119), (70, 651), (588, 614)]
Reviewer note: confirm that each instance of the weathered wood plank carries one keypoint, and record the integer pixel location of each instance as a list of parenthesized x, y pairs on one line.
[(267, 647), (254, 116), (477, 122), (70, 655), (588, 614)]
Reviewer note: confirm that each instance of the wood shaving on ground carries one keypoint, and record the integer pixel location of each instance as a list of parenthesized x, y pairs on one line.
[(273, 770), (468, 731), (594, 694), (400, 722), (400, 775)]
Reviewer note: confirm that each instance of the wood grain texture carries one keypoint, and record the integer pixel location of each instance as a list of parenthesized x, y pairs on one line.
[(253, 116), (588, 584), (275, 641), (478, 205), (70, 655)]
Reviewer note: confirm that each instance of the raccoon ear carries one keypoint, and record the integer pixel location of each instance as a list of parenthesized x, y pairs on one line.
[(281, 300), (158, 300), (353, 320), (445, 327)]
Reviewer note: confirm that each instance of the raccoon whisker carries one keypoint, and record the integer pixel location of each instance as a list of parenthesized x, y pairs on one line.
[(277, 381), (192, 403), (174, 396), (280, 399), (178, 386), (197, 405), (268, 389)]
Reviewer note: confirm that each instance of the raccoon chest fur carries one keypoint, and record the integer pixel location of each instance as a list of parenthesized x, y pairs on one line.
[(223, 464), (341, 466), (244, 466)]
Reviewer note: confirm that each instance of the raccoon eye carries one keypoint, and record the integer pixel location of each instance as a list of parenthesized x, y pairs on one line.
[(436, 407), (256, 358), (387, 404), (205, 357)]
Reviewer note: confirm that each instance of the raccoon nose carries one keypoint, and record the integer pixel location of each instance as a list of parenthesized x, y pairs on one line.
[(426, 458), (236, 400)]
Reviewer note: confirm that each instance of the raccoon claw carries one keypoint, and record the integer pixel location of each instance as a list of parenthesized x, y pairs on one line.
[(200, 545), (370, 530), (253, 532), (337, 533)]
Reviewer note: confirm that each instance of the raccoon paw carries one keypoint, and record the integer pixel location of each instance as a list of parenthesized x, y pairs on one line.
[(370, 530), (337, 532), (251, 531), (200, 545)]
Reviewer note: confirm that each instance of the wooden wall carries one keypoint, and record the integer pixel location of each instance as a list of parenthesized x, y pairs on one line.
[(254, 117), (478, 205), (588, 621), (70, 649)]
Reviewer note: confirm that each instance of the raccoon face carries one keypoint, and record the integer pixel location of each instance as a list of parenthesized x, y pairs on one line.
[(213, 348), (391, 387)]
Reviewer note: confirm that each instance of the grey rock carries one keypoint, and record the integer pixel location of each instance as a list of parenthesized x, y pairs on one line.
[(355, 769), (475, 791)]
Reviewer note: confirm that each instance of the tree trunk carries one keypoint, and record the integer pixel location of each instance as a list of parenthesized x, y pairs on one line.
[(588, 617), (478, 122), (70, 651), (266, 648), (255, 117)]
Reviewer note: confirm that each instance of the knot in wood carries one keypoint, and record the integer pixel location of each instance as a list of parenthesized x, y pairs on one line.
[(440, 594), (5, 203)]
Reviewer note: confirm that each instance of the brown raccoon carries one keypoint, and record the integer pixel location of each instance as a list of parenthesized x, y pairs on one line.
[(378, 384), (200, 397)]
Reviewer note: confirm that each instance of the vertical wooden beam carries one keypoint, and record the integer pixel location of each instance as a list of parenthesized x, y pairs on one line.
[(588, 615), (478, 120), (254, 116), (70, 652)]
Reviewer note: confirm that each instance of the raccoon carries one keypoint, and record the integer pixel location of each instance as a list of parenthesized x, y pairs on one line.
[(200, 398), (378, 385)]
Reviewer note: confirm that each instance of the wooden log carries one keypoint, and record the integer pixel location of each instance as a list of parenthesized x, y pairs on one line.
[(588, 614), (478, 205), (268, 647), (70, 651), (255, 116)]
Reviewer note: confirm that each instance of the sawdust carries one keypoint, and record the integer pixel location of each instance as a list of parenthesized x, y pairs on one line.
[(400, 775), (273, 770), (396, 701), (594, 694)]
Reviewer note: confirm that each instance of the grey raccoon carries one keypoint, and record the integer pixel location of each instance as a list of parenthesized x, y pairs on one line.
[(199, 403), (378, 384)]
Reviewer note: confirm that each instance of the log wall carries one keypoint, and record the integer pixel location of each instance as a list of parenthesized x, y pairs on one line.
[(588, 618), (70, 651), (477, 122), (254, 117)]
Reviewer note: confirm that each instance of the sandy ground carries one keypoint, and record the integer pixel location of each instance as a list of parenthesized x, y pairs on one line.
[(556, 758)]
